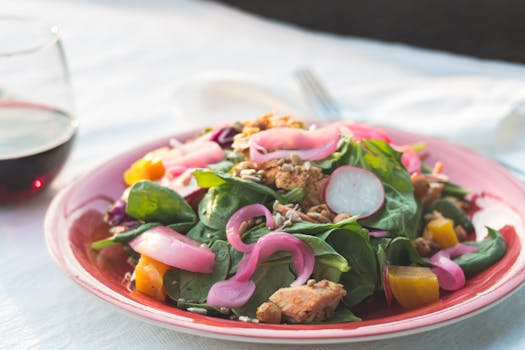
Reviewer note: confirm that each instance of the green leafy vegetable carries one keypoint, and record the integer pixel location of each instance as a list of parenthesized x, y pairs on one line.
[(193, 285), (203, 234), (360, 282), (210, 310), (401, 213), (208, 178), (342, 314), (151, 202), (490, 250), (451, 211), (400, 251), (123, 237), (269, 277), (219, 204)]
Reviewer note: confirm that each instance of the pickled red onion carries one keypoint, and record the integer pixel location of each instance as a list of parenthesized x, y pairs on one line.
[(378, 234), (302, 256), (230, 293), (302, 260), (174, 249), (361, 131), (410, 159), (450, 275), (241, 215), (191, 155), (282, 142)]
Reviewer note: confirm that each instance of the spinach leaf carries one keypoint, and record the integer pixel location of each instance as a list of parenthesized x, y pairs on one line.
[(400, 251), (338, 158), (152, 202), (219, 203), (210, 310), (309, 228), (401, 213), (342, 315), (203, 234), (207, 179), (195, 286), (451, 211), (231, 158), (269, 277), (490, 250), (123, 237), (222, 166), (360, 282), (449, 188), (454, 190), (325, 254)]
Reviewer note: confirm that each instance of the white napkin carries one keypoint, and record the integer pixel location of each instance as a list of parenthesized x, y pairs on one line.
[(461, 110)]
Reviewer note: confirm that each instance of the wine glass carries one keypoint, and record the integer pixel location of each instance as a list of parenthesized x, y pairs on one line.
[(37, 126)]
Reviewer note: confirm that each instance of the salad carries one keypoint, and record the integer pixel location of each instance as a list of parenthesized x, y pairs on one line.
[(276, 221)]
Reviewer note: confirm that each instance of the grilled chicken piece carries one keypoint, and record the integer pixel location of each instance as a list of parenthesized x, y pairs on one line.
[(269, 312), (313, 302)]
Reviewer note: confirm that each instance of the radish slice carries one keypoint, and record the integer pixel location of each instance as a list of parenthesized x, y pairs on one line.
[(174, 249), (355, 191), (245, 213), (230, 293), (450, 275)]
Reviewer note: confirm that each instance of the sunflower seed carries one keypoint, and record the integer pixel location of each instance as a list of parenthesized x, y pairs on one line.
[(253, 178), (197, 310), (294, 157), (340, 143), (307, 166), (248, 172), (316, 216), (287, 167)]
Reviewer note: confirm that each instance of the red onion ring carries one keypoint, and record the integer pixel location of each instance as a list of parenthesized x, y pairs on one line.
[(450, 275), (241, 215), (174, 249), (230, 293), (308, 145), (302, 260), (361, 131)]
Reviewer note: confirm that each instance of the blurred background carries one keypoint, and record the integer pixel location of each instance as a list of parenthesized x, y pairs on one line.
[(490, 29)]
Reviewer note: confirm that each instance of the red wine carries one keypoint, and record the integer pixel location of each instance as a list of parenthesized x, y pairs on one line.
[(35, 141)]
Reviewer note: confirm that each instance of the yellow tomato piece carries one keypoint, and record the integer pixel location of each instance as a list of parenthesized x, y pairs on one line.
[(149, 167), (413, 286), (148, 277), (443, 233)]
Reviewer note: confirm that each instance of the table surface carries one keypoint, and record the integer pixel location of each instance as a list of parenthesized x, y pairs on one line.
[(141, 69)]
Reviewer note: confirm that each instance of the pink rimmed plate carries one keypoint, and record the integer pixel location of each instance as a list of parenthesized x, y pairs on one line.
[(75, 219)]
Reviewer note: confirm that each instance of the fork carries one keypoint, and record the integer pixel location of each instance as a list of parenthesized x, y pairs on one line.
[(326, 107), (317, 96)]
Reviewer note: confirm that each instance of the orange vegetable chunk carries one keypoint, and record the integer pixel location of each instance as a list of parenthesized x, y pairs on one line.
[(149, 167), (413, 286), (148, 277), (443, 233)]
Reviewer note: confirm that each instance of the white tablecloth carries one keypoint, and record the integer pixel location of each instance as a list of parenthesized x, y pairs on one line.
[(140, 70)]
